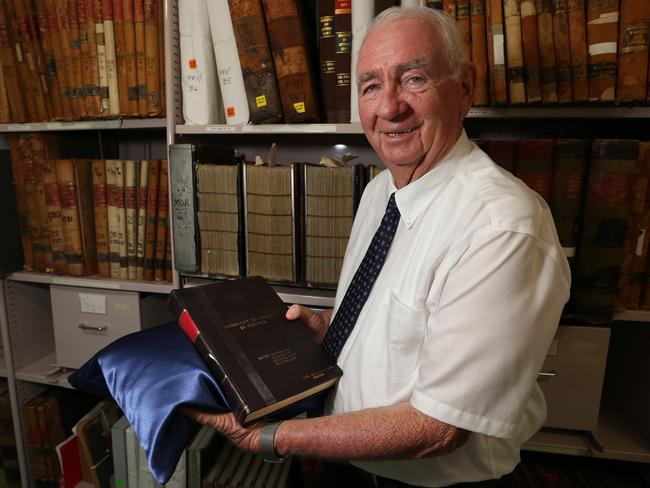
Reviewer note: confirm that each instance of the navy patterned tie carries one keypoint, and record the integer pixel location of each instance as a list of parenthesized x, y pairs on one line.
[(361, 284)]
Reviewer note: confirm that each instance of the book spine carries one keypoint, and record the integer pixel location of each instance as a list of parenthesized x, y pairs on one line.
[(84, 187), (578, 43), (152, 216), (568, 176), (514, 53), (120, 55), (27, 171), (602, 37), (39, 58), (496, 52), (57, 51), (140, 59), (534, 165), (548, 74), (120, 200), (89, 63), (530, 46), (70, 216), (562, 46), (231, 81), (169, 276), (9, 71), (111, 61), (161, 223), (49, 60), (479, 52), (449, 7), (73, 90), (463, 21), (130, 178), (102, 68), (291, 61), (143, 186), (112, 191), (129, 58), (342, 58), (256, 61), (160, 30), (152, 60), (100, 202), (632, 74), (21, 201), (326, 50), (184, 209), (75, 53), (55, 224), (41, 204), (604, 223), (501, 152)]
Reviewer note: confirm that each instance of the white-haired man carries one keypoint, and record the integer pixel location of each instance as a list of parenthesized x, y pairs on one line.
[(441, 352)]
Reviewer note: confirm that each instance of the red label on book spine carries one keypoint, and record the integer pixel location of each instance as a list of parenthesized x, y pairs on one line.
[(189, 327)]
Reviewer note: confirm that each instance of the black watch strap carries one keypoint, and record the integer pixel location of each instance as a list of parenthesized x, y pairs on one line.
[(267, 441)]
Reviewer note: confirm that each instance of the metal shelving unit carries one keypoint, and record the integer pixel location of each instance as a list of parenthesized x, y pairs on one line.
[(112, 124), (92, 282)]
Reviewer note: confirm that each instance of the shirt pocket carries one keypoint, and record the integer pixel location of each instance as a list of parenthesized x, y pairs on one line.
[(399, 338)]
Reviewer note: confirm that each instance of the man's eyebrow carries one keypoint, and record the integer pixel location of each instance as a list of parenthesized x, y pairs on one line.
[(399, 69)]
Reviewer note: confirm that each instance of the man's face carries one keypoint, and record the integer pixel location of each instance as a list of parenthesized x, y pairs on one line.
[(410, 107)]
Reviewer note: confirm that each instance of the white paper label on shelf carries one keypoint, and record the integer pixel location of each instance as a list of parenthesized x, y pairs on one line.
[(91, 303), (221, 128), (19, 127), (124, 306)]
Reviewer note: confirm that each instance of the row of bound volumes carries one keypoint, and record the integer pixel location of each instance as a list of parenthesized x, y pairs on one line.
[(66, 60), (239, 64), (597, 193), (83, 217), (285, 223), (9, 471)]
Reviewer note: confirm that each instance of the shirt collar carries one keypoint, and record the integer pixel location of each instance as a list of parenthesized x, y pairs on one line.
[(415, 197)]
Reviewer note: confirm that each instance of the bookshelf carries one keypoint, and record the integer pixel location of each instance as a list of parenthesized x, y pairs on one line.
[(29, 357)]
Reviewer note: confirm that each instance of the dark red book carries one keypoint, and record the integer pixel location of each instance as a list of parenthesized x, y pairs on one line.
[(501, 152), (262, 361), (535, 165)]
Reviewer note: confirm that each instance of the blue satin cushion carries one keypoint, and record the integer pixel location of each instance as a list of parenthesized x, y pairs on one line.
[(151, 374)]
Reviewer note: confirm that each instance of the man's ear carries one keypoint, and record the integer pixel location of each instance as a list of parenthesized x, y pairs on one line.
[(467, 80)]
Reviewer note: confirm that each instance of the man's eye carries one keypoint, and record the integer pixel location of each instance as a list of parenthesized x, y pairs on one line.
[(370, 88), (415, 80)]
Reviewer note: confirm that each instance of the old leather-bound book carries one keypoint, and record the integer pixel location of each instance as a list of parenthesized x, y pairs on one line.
[(514, 52), (342, 58), (602, 37), (89, 62), (632, 75), (153, 63), (463, 20), (100, 201), (578, 40), (530, 46), (256, 61), (562, 51), (291, 59), (548, 74), (535, 164), (10, 72), (479, 51), (496, 52), (48, 59), (326, 50)]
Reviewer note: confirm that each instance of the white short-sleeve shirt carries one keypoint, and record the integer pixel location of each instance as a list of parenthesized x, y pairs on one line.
[(461, 316)]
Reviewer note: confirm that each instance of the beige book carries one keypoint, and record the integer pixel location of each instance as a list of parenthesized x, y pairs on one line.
[(143, 188), (514, 51), (130, 193), (101, 57), (111, 60), (120, 185)]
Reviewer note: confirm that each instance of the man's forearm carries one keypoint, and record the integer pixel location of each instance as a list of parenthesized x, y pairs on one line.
[(393, 432)]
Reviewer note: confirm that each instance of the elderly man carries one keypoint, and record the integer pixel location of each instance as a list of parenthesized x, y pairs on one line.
[(450, 293)]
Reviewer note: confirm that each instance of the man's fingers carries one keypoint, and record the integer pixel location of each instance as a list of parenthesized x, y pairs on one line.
[(217, 420)]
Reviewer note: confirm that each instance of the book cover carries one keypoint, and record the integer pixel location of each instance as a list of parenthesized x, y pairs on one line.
[(263, 361), (548, 74), (161, 222), (143, 188), (111, 57), (102, 67), (10, 72), (632, 74), (562, 46), (326, 50), (21, 201), (89, 61), (578, 41), (602, 37), (464, 25), (342, 59), (479, 52), (496, 51), (152, 56), (514, 52), (120, 201), (182, 173), (113, 218), (291, 60), (152, 218), (54, 221), (100, 201), (534, 164), (129, 58), (140, 61), (75, 55), (130, 196), (501, 152), (49, 61), (530, 46), (120, 56)]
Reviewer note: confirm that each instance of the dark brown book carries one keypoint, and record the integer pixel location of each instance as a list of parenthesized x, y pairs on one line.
[(52, 431), (152, 217), (578, 40), (152, 56), (291, 60), (534, 164), (342, 59), (39, 58), (34, 440), (569, 166), (501, 152), (479, 52), (27, 173), (162, 222), (562, 46), (54, 220), (635, 248), (608, 196), (10, 72), (21, 201), (262, 361), (326, 50), (100, 202), (602, 37), (41, 203), (514, 52), (632, 74), (464, 25), (530, 47), (496, 52), (256, 61), (548, 73)]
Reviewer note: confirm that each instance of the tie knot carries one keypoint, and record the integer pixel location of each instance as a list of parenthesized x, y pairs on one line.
[(391, 207)]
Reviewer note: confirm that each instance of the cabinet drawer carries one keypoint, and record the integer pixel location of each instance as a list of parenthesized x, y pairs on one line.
[(575, 365), (86, 320)]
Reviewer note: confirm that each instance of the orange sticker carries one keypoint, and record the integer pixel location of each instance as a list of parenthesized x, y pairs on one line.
[(192, 63), (230, 111)]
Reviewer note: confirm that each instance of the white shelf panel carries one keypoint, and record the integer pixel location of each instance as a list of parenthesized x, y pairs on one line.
[(633, 316), (44, 371), (619, 439), (85, 125), (354, 128), (93, 282)]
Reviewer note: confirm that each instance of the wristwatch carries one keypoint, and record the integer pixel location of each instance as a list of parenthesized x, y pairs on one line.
[(267, 441)]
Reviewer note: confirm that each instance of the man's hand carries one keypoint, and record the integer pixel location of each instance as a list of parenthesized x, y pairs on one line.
[(316, 322), (246, 438)]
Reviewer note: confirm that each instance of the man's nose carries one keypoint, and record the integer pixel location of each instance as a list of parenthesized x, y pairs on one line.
[(391, 104)]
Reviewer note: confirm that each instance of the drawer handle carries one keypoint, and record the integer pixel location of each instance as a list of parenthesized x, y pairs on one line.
[(547, 374), (94, 328)]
